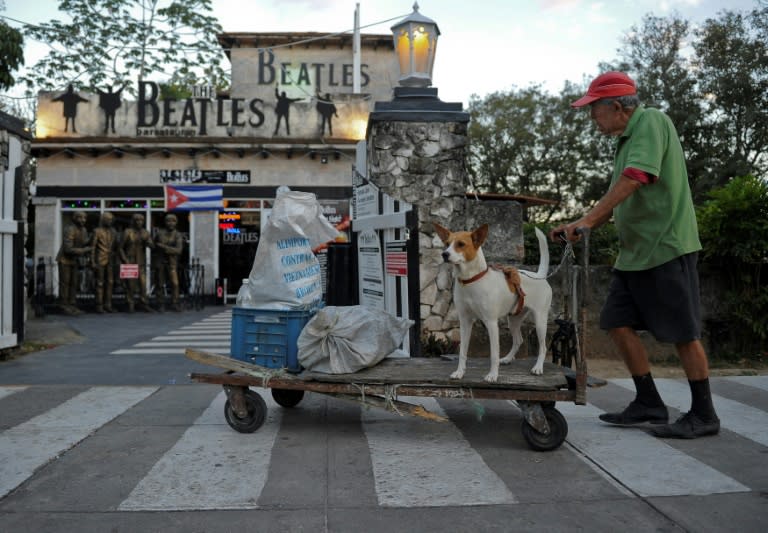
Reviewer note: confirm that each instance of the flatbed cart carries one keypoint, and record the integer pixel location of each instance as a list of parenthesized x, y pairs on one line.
[(543, 427)]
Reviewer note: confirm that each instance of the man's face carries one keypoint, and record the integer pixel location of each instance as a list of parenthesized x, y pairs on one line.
[(138, 222), (170, 223), (79, 219), (609, 117)]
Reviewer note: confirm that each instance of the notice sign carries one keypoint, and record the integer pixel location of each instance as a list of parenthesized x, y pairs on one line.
[(129, 271), (396, 259), (371, 276)]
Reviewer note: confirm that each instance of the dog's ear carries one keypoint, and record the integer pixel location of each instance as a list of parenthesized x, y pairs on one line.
[(479, 235), (443, 233)]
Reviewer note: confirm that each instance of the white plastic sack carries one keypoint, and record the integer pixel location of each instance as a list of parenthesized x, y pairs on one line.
[(285, 272), (342, 340)]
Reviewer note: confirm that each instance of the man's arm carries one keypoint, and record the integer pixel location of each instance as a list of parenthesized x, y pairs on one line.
[(601, 213)]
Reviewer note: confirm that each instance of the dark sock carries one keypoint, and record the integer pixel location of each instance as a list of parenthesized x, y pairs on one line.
[(646, 391), (701, 400)]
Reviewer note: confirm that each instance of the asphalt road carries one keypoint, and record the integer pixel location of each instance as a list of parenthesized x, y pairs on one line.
[(105, 432)]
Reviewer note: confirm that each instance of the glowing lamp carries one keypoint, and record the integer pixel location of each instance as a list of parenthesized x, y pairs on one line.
[(415, 40)]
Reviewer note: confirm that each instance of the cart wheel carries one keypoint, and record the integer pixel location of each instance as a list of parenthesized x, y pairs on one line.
[(257, 413), (558, 430), (287, 397)]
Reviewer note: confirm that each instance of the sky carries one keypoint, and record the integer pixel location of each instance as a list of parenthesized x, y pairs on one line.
[(484, 45)]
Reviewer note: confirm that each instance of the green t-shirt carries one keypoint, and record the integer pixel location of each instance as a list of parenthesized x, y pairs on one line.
[(657, 222)]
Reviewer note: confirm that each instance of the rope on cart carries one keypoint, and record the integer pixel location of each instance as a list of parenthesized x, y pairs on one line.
[(390, 395), (266, 376), (361, 388)]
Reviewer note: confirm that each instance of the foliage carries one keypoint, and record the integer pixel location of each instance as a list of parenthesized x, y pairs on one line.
[(733, 225), (117, 42), (732, 67), (11, 54), (712, 81), (434, 346), (528, 142)]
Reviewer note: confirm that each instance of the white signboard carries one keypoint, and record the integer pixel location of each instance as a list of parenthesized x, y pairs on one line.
[(366, 201), (370, 271)]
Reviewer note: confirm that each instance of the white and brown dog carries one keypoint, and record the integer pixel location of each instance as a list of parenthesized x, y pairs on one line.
[(488, 294)]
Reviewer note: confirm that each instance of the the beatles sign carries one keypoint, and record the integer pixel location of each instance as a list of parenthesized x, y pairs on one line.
[(286, 98)]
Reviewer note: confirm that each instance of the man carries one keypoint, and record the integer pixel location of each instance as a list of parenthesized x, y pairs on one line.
[(104, 240), (133, 251), (73, 253), (655, 280), (168, 246)]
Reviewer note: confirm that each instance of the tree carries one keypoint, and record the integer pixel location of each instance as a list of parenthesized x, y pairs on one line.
[(734, 232), (11, 53), (732, 61), (116, 42), (529, 142)]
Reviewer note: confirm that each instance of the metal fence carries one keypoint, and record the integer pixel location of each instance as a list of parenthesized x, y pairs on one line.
[(44, 277)]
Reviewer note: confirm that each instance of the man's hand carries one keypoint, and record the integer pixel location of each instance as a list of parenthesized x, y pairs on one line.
[(567, 231)]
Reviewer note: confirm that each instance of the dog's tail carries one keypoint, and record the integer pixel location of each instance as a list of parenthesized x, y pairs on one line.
[(543, 254)]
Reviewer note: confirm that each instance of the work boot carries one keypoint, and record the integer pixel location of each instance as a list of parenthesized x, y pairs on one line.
[(99, 309), (637, 413), (688, 426), (130, 307)]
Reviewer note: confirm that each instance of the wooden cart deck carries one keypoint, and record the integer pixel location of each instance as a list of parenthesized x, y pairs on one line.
[(410, 377)]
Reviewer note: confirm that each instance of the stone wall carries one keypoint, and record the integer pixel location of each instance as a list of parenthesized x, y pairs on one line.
[(424, 164)]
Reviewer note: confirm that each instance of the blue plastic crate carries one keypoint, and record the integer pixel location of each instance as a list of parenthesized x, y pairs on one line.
[(267, 337)]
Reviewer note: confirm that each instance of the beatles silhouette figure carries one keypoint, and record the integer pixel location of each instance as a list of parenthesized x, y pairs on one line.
[(327, 110), (283, 109), (70, 100), (110, 102)]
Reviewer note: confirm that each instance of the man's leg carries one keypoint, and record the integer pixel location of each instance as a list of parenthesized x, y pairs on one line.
[(702, 419), (647, 405)]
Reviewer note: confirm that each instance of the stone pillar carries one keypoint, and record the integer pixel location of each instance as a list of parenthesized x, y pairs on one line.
[(417, 153)]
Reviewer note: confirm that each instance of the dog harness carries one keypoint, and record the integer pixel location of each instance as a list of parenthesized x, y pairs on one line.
[(514, 283)]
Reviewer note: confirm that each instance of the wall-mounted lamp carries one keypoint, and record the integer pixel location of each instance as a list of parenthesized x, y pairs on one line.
[(264, 153), (118, 153), (33, 188), (216, 153), (166, 153), (324, 159), (240, 153), (415, 44)]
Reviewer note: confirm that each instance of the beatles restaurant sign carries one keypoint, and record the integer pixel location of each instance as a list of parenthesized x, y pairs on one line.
[(291, 99)]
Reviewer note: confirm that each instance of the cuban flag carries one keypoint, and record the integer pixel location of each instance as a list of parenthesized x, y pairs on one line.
[(193, 197)]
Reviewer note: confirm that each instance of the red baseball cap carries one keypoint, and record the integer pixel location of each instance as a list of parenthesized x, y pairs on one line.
[(607, 85)]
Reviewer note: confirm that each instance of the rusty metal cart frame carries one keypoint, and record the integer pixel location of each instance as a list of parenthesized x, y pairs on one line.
[(544, 427)]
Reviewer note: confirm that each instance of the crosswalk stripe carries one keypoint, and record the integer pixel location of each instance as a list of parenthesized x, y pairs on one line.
[(760, 382), (644, 464), (180, 342), (210, 467), (192, 337), (167, 351), (7, 391), (427, 464), (734, 416), (28, 446)]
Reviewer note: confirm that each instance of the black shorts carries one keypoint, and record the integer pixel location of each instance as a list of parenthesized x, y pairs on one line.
[(663, 300)]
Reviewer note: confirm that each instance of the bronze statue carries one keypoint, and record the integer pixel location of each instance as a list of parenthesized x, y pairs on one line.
[(104, 243), (133, 251), (168, 246), (72, 254)]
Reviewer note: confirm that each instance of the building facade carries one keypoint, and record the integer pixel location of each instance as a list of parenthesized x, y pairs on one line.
[(291, 117)]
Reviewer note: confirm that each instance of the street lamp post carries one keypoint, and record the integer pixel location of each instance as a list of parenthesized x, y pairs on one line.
[(415, 39)]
